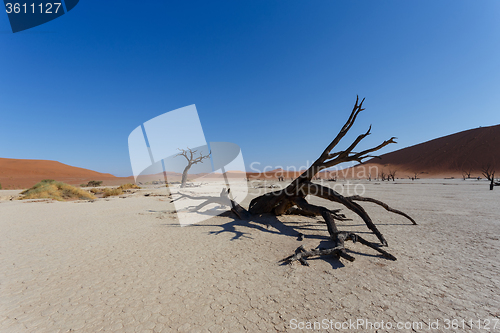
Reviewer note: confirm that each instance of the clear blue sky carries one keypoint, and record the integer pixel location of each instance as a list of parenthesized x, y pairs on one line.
[(278, 78)]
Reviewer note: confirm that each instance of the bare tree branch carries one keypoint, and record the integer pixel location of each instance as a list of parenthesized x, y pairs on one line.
[(192, 160), (282, 201)]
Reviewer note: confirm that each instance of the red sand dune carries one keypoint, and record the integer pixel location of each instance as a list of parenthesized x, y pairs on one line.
[(17, 173), (444, 157)]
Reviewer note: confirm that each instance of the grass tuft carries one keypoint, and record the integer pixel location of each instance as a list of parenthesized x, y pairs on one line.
[(129, 186), (109, 192), (51, 189)]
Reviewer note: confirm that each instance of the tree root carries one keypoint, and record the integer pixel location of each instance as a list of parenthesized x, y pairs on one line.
[(223, 200), (338, 237), (339, 250)]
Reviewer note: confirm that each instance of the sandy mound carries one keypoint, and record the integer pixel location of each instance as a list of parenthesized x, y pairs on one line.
[(19, 173)]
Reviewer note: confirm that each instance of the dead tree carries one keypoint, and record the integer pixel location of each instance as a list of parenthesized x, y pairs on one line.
[(391, 175), (293, 196), (189, 154), (291, 200), (488, 172), (466, 173), (332, 178)]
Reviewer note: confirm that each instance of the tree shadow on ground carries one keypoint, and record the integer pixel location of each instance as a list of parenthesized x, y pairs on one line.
[(270, 223), (266, 223)]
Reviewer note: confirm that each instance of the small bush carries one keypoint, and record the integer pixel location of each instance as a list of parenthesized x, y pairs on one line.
[(50, 189), (108, 192), (129, 186), (94, 183), (0, 186)]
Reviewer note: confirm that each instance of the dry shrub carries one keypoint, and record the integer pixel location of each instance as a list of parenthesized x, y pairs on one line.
[(96, 190), (109, 192), (51, 189), (129, 186)]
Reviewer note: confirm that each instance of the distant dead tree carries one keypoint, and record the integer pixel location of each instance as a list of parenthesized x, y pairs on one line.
[(382, 175), (415, 175), (488, 172), (391, 175), (189, 154), (466, 168)]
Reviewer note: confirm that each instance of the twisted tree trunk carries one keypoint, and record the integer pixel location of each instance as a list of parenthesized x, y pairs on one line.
[(189, 155), (282, 201)]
